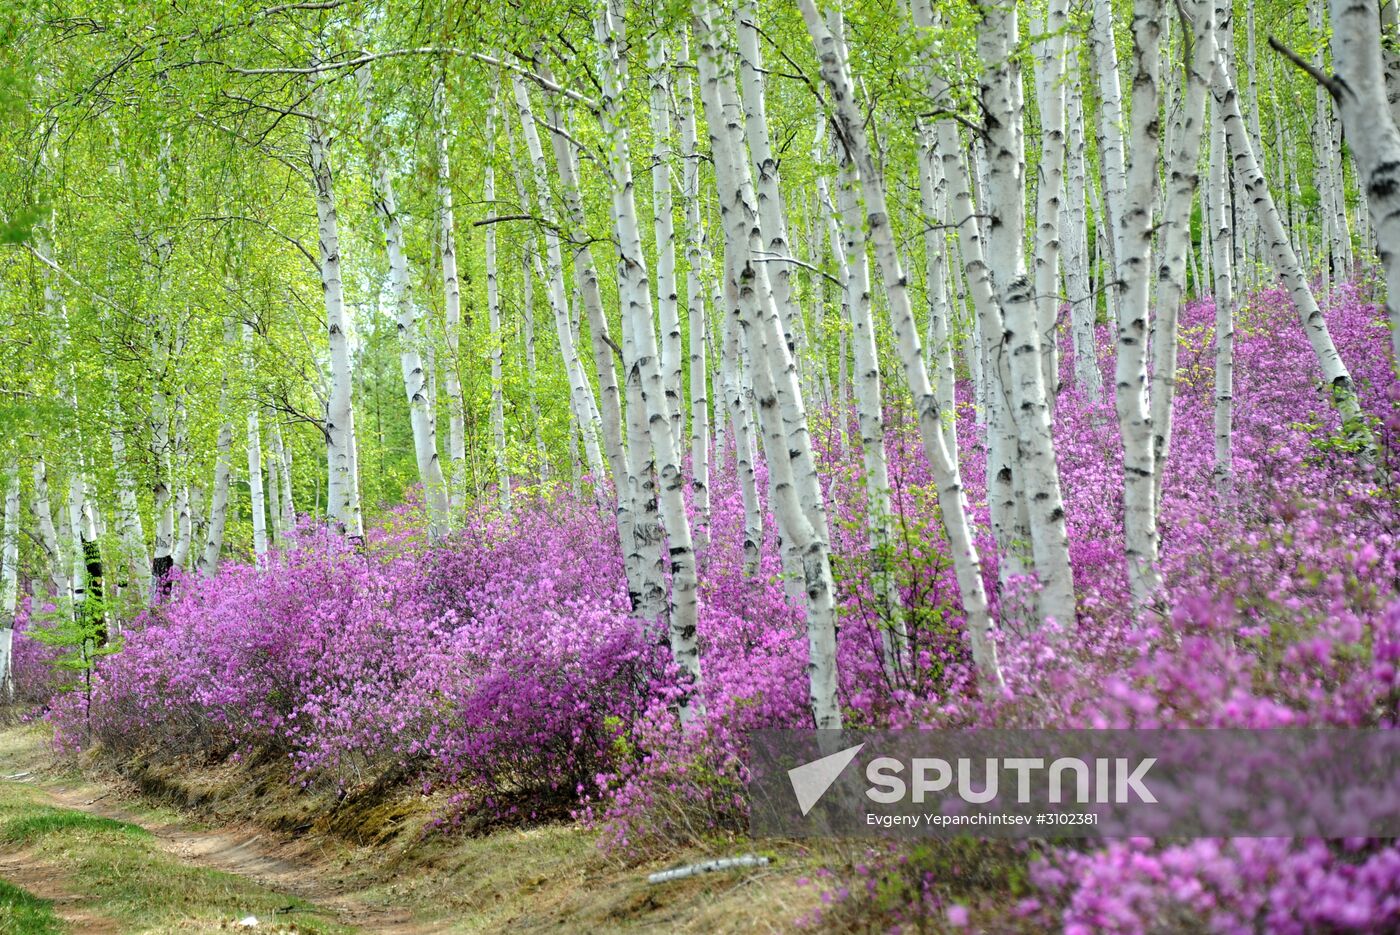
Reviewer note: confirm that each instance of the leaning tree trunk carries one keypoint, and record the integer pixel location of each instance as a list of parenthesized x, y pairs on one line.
[(585, 409), (854, 264), (636, 514), (415, 381), (1285, 262)]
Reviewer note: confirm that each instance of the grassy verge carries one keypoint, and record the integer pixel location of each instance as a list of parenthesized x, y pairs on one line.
[(117, 871), (23, 913)]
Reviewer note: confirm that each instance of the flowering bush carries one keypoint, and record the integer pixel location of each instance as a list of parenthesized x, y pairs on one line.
[(504, 662)]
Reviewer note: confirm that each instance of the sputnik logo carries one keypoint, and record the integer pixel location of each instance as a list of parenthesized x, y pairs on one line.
[(811, 780)]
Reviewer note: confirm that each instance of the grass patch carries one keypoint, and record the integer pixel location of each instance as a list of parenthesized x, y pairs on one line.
[(23, 913), (25, 829), (118, 870)]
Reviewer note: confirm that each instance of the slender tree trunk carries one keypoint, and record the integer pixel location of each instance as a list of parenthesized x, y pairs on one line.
[(218, 507), (254, 448), (1285, 262), (635, 294), (664, 230), (415, 381), (952, 498), (1083, 308), (48, 534), (493, 311), (581, 391), (1182, 179), (1220, 234), (695, 300), (132, 530), (1050, 187), (855, 269), (452, 301), (1111, 123), (343, 484), (1038, 480), (1359, 89), (274, 498), (9, 580), (636, 515), (798, 500), (1135, 225), (933, 195)]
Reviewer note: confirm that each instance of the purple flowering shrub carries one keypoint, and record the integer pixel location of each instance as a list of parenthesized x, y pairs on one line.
[(36, 679), (503, 664)]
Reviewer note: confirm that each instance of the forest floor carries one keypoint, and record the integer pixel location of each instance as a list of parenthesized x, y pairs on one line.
[(197, 850)]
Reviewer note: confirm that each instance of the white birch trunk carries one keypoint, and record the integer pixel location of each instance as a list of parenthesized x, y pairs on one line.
[(493, 311), (695, 299), (855, 269), (48, 535), (415, 380), (1222, 261), (1360, 92), (952, 498), (343, 485), (1135, 227), (1175, 238), (798, 500), (664, 231), (933, 196), (132, 530), (218, 506), (1083, 310), (1111, 123), (253, 446), (452, 300), (274, 498), (1038, 479), (635, 294), (1050, 186), (1285, 263), (9, 580), (581, 391)]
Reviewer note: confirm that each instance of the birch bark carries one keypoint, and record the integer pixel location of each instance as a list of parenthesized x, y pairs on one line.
[(343, 485)]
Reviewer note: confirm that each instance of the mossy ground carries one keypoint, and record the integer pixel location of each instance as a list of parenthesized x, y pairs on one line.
[(171, 846)]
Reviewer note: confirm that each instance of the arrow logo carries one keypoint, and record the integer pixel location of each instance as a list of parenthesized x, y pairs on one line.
[(811, 780)]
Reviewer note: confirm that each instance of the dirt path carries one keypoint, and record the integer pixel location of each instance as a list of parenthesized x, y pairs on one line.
[(276, 861)]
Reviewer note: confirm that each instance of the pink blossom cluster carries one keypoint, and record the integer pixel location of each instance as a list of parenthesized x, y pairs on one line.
[(505, 661)]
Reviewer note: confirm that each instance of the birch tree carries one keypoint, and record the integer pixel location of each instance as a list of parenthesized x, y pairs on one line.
[(1358, 87), (635, 293), (415, 380), (452, 303), (343, 483)]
